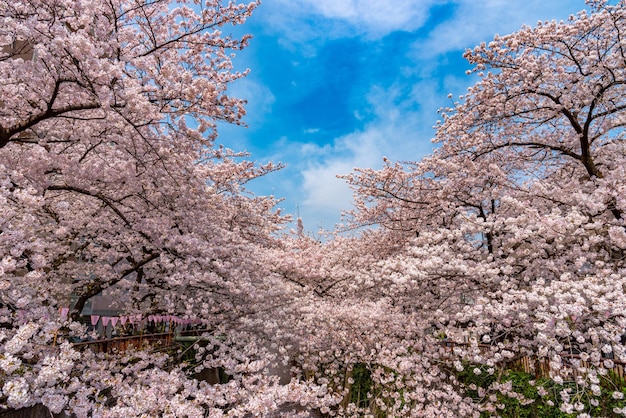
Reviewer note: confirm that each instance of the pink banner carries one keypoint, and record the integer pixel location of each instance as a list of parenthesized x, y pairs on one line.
[(94, 319), (105, 320), (114, 320)]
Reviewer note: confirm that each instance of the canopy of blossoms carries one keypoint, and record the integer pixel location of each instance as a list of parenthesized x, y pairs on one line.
[(507, 244)]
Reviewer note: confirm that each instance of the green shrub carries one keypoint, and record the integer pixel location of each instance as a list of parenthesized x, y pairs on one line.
[(548, 405)]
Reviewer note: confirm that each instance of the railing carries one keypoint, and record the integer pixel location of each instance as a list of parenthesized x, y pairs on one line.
[(138, 341), (541, 367), (122, 344)]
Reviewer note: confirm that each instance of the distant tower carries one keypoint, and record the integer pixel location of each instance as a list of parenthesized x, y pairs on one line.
[(300, 225)]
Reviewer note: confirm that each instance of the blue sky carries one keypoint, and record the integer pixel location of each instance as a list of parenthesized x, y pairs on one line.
[(339, 84)]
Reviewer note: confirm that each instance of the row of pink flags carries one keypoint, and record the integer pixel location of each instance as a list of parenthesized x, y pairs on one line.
[(134, 319)]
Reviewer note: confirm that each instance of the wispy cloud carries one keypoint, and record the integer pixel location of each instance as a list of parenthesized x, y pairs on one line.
[(376, 18), (327, 19), (474, 22), (399, 131)]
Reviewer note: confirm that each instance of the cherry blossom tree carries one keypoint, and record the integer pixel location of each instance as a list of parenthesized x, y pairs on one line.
[(511, 234), (111, 183)]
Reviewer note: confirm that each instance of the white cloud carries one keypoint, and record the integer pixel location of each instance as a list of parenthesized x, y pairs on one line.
[(376, 17), (308, 20), (397, 133), (474, 22), (371, 18)]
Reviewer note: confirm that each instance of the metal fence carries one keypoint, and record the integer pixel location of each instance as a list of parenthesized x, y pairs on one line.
[(122, 344), (573, 364)]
